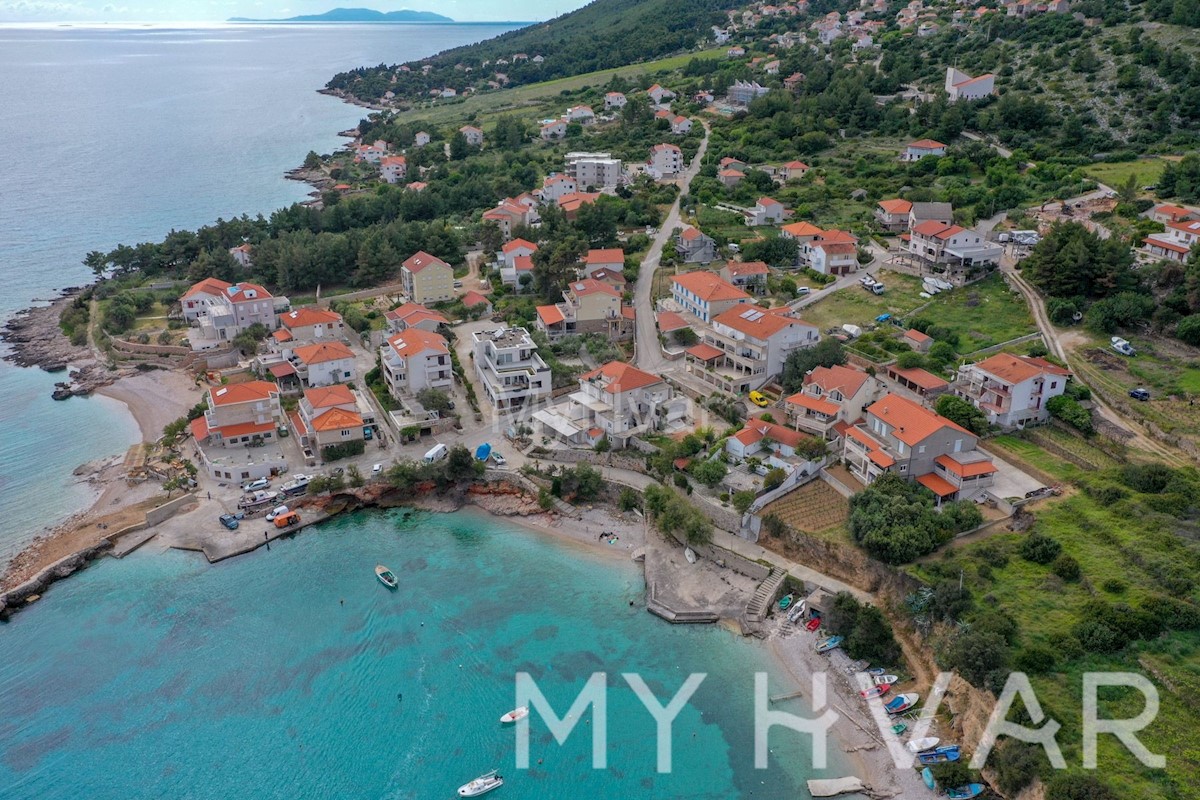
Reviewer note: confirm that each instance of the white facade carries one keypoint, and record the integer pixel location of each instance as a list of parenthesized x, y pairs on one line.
[(961, 86), (509, 368), (1011, 390), (665, 159), (602, 173), (413, 360)]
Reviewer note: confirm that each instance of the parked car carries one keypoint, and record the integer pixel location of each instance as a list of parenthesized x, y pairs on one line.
[(759, 399), (229, 521), (458, 284), (261, 483), (499, 460), (284, 520), (1139, 394), (277, 511), (801, 291), (376, 469)]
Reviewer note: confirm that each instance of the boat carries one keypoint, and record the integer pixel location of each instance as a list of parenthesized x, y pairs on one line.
[(483, 451), (921, 745), (890, 680), (876, 691), (813, 624), (786, 601), (481, 785), (965, 792), (902, 703), (386, 576), (832, 643), (899, 728), (876, 671), (690, 555), (797, 612), (515, 714), (927, 776), (940, 755)]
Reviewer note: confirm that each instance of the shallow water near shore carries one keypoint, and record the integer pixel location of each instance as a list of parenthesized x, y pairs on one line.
[(294, 673)]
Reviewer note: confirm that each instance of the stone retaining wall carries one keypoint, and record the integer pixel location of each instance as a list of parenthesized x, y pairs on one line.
[(124, 346)]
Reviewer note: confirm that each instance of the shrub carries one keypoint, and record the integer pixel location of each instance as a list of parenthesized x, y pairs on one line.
[(1069, 411), (868, 634), (774, 477), (1035, 659), (1066, 568), (774, 526), (1114, 586), (1017, 764), (742, 500), (962, 412), (334, 452), (629, 499), (1073, 786), (709, 472), (1150, 478), (1040, 549), (1096, 637)]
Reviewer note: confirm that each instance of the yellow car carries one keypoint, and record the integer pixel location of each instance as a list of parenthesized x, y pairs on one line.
[(759, 399)]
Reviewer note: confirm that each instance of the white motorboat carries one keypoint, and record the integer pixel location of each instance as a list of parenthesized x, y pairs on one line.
[(890, 680), (921, 745), (481, 785), (515, 714)]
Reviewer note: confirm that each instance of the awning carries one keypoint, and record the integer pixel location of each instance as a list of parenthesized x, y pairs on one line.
[(937, 484), (282, 369), (199, 428), (704, 352), (559, 424)]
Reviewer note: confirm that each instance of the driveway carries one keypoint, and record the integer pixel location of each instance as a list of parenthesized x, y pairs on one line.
[(1010, 481)]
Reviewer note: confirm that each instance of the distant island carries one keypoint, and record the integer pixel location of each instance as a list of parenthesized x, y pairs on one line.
[(357, 15)]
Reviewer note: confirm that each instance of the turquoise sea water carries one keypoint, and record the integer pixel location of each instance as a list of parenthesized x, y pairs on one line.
[(120, 135), (280, 674)]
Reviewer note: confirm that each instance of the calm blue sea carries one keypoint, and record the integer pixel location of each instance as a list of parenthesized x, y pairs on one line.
[(292, 673), (120, 135)]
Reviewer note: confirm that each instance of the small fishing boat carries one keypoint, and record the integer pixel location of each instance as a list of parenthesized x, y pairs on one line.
[(515, 714), (940, 755), (386, 576), (927, 776), (813, 624), (876, 691), (876, 671), (890, 680), (902, 703), (921, 745), (797, 612), (832, 643), (786, 601), (690, 555), (899, 728), (481, 785), (965, 792)]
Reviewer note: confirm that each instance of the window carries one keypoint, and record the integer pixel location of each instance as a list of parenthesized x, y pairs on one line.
[(958, 445), (345, 433), (921, 449)]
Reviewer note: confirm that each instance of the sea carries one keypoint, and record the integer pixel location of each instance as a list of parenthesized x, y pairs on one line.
[(291, 672), (119, 135)]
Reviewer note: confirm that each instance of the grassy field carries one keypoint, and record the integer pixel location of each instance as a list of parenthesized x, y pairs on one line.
[(526, 98), (857, 306), (1122, 551), (1147, 170), (983, 314)]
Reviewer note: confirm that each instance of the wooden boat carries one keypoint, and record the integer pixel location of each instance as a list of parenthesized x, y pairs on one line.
[(927, 776), (515, 714), (690, 555), (813, 624), (876, 691), (965, 792), (481, 785), (786, 601), (386, 576), (797, 612), (921, 745), (899, 728), (940, 755), (832, 643), (890, 680), (875, 671), (902, 703)]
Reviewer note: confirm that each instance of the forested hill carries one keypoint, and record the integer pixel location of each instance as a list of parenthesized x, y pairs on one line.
[(602, 34)]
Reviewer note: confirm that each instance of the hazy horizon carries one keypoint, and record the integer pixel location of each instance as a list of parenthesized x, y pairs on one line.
[(207, 12)]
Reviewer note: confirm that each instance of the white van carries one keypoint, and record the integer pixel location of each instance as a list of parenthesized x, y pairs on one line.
[(277, 511), (436, 453)]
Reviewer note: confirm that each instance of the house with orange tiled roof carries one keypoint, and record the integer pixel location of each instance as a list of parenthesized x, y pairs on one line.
[(918, 341), (473, 135), (1011, 390), (617, 401), (904, 438), (588, 306), (426, 278), (917, 150), (936, 243), (473, 300), (413, 360), (831, 399), (767, 211), (311, 324), (609, 258), (1166, 212), (693, 246), (329, 416), (658, 94), (771, 442), (892, 215), (961, 86), (705, 294), (555, 186), (238, 414), (730, 177), (831, 252), (614, 100), (745, 347), (802, 232), (218, 311), (242, 254), (1176, 242), (414, 315), (666, 160), (511, 213), (555, 129), (750, 276), (921, 382), (393, 169), (792, 170), (323, 363), (572, 202)]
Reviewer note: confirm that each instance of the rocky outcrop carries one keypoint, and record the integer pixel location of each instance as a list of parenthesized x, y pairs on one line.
[(15, 598)]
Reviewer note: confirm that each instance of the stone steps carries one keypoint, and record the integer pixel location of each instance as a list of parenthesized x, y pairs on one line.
[(760, 603)]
